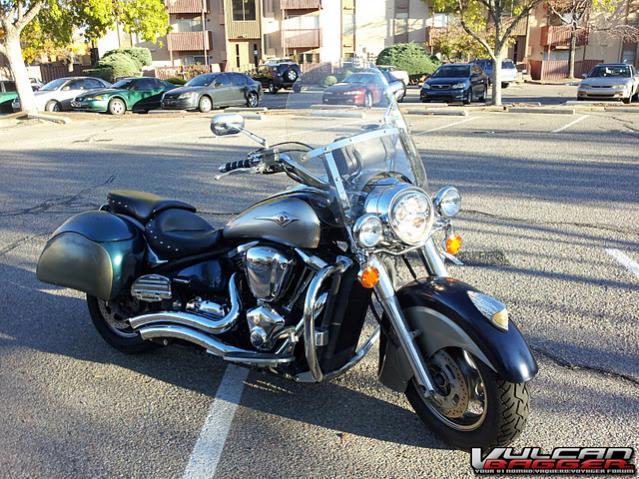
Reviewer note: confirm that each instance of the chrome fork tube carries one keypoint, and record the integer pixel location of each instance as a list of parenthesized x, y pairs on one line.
[(386, 294), (434, 261)]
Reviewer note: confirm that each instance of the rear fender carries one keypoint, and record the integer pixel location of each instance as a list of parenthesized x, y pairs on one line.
[(442, 315)]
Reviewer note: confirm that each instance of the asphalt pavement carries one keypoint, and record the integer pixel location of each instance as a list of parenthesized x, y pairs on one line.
[(550, 225)]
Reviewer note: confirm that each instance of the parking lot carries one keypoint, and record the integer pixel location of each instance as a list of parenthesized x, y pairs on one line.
[(550, 224)]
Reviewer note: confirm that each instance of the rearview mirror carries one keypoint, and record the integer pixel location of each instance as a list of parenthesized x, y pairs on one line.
[(227, 124)]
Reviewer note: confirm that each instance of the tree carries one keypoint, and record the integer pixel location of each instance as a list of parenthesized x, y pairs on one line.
[(57, 20), (454, 44), (491, 24), (410, 57), (591, 15)]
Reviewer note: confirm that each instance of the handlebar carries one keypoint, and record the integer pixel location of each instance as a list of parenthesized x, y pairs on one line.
[(241, 164)]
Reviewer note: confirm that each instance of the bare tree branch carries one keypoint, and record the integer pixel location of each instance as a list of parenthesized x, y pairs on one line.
[(30, 15)]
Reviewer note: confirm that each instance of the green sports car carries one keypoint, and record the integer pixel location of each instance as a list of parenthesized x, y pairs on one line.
[(8, 93), (129, 94)]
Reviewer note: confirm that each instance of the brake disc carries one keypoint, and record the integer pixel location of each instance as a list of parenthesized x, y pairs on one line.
[(452, 394)]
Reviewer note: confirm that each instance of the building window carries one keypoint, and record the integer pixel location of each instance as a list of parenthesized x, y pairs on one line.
[(243, 10), (237, 55), (188, 24), (401, 26)]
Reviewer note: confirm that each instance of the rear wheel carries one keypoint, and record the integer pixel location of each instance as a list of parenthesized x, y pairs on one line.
[(628, 100), (52, 105), (504, 84), (117, 107), (472, 406), (272, 88), (291, 75), (368, 100), (110, 319), (252, 100), (205, 104)]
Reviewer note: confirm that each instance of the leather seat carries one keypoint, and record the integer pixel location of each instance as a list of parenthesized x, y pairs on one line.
[(142, 206), (176, 233)]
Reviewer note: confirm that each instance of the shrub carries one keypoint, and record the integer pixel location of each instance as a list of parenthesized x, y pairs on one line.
[(106, 73), (121, 64), (176, 80), (141, 56), (410, 57), (329, 80)]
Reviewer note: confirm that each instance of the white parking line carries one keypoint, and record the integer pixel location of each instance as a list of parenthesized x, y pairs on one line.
[(208, 448), (624, 260), (471, 118), (573, 122)]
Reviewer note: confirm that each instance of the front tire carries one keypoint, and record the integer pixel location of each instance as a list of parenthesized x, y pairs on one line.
[(500, 420), (117, 107), (114, 329), (272, 88), (252, 100), (205, 105), (52, 106)]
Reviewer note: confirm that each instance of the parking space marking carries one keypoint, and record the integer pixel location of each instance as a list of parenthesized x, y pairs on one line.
[(443, 127), (573, 122), (208, 448), (624, 260)]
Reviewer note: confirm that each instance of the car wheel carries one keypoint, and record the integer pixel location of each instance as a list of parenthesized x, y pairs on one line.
[(291, 75), (272, 88), (205, 105), (52, 105), (252, 100), (117, 107), (504, 84), (468, 97), (628, 100), (368, 100), (482, 98)]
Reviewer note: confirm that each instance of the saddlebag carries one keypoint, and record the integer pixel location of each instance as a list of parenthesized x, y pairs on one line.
[(95, 252)]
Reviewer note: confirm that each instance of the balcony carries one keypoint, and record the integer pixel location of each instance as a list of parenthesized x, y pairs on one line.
[(559, 37), (301, 4), (187, 6), (302, 38), (189, 41)]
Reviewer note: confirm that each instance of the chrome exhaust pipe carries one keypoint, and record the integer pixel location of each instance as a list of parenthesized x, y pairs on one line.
[(214, 346), (195, 321)]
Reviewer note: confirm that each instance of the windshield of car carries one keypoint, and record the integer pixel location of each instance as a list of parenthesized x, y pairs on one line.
[(343, 142), (359, 78), (123, 84), (54, 85), (201, 80), (449, 71), (610, 71), (508, 64)]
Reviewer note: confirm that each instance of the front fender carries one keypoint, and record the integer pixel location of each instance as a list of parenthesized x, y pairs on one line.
[(440, 311)]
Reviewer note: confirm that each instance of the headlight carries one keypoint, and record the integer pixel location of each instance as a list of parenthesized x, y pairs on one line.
[(98, 98), (620, 86), (188, 94), (426, 86), (356, 92), (448, 201), (459, 85), (368, 231), (410, 216)]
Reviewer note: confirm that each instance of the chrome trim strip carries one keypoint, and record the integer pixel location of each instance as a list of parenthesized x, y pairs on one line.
[(197, 321), (434, 261)]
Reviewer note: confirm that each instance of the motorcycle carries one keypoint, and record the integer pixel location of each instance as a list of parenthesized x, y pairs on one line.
[(287, 285)]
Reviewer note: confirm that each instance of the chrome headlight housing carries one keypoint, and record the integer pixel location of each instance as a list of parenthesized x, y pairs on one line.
[(188, 94), (406, 212), (447, 201), (369, 231)]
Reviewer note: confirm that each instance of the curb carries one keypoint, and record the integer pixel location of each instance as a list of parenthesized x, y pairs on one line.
[(425, 105), (238, 109), (63, 120), (621, 109), (333, 107), (547, 111), (438, 112), (251, 116)]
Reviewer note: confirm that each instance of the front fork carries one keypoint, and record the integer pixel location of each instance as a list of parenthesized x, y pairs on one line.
[(385, 290)]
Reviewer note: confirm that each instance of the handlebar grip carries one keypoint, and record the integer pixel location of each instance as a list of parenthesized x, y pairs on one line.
[(234, 165)]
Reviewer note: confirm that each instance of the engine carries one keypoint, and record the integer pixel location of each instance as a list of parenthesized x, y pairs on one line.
[(269, 274)]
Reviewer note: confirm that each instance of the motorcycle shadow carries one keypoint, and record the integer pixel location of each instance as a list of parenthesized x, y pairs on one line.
[(56, 321)]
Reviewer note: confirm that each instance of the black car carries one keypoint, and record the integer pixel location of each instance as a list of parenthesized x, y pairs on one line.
[(214, 90), (277, 74), (455, 82)]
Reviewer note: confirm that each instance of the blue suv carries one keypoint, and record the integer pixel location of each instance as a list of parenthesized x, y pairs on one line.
[(455, 82)]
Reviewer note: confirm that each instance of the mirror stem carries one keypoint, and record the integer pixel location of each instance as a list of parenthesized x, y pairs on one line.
[(254, 137)]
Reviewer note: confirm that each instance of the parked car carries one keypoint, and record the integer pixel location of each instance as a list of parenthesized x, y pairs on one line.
[(610, 81), (8, 93), (360, 88), (137, 94), (399, 74), (277, 74), (508, 70), (455, 82), (58, 94), (397, 87), (214, 90)]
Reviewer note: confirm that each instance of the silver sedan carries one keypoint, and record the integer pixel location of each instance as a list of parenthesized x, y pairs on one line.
[(617, 81)]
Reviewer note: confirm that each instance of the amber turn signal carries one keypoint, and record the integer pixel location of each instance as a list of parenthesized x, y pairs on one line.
[(453, 244), (369, 277)]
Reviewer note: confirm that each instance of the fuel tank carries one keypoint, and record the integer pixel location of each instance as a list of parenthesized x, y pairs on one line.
[(287, 219)]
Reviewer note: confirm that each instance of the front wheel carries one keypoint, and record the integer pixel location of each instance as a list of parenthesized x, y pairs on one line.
[(252, 100), (205, 104), (110, 319), (117, 107), (472, 406)]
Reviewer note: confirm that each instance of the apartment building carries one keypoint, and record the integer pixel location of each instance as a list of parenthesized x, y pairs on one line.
[(237, 34)]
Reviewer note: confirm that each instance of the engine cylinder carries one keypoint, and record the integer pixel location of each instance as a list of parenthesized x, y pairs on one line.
[(268, 271)]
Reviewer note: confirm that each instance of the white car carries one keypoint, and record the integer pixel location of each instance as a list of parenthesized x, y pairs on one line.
[(57, 94)]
